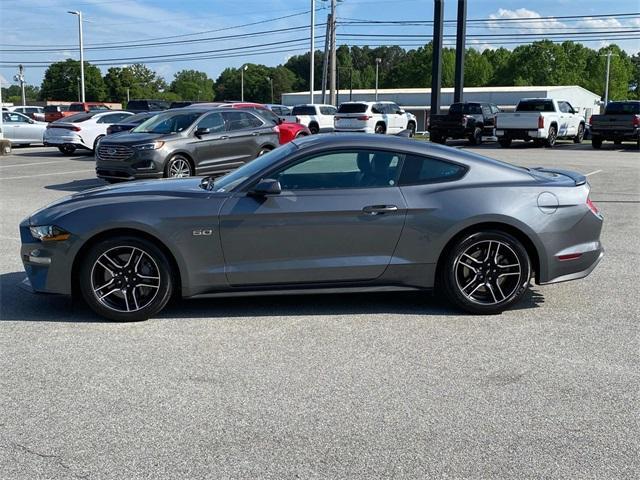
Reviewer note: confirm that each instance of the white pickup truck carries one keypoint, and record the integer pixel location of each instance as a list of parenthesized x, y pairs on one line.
[(543, 120), (318, 118)]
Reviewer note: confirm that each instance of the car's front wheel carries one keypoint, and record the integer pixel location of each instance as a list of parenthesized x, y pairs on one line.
[(126, 279), (486, 272), (178, 167)]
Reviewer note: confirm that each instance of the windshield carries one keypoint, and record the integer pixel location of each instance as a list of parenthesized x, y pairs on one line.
[(621, 108), (535, 106), (235, 178), (166, 123), (353, 108)]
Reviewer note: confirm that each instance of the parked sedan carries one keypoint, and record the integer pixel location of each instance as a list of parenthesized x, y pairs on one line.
[(326, 213), (184, 142), (21, 130), (82, 130), (130, 123)]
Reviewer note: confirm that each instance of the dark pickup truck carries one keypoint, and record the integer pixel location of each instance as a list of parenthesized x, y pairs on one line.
[(471, 120), (620, 122)]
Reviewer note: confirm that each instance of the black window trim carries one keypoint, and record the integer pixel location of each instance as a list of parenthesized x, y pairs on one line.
[(460, 176)]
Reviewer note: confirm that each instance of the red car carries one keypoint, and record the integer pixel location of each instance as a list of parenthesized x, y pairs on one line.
[(287, 131)]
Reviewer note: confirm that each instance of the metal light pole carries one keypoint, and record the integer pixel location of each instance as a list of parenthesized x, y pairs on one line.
[(606, 81), (270, 79), (20, 79), (461, 34), (242, 70), (333, 70), (313, 53), (378, 60), (79, 14), (436, 64)]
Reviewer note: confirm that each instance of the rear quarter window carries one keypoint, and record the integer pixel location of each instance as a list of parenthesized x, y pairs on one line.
[(418, 170), (304, 110), (353, 108)]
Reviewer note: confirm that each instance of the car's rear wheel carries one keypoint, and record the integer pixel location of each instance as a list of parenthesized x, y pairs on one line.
[(412, 129), (486, 272), (314, 128), (552, 136), (580, 136), (596, 142), (476, 137), (67, 149), (126, 279), (178, 167), (505, 142)]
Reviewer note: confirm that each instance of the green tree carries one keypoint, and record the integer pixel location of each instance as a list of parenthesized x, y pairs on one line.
[(13, 94), (192, 85), (621, 74), (478, 71), (141, 81), (62, 82)]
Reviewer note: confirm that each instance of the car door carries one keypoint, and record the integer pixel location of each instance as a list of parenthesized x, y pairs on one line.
[(574, 120), (20, 128), (565, 119), (8, 125), (243, 136), (327, 114), (398, 120), (338, 219), (211, 148)]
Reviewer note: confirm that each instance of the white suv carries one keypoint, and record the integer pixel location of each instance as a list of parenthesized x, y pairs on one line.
[(374, 117)]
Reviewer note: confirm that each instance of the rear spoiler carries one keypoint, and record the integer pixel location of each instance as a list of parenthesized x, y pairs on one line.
[(575, 176)]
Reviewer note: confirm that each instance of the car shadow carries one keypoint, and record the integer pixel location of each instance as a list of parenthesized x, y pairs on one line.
[(77, 155), (77, 185), (17, 304)]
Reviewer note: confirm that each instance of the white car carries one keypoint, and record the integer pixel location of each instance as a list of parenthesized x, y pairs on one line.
[(35, 113), (374, 117), (317, 118), (21, 130), (83, 130), (543, 120)]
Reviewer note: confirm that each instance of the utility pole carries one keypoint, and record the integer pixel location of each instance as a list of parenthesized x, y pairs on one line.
[(242, 70), (332, 77), (312, 60), (325, 62), (20, 79), (436, 66), (270, 80), (79, 14), (378, 61), (460, 50), (606, 80)]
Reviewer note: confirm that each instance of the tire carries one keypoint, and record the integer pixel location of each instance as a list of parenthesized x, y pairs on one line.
[(314, 128), (596, 142), (412, 129), (126, 279), (264, 150), (67, 149), (486, 291), (476, 136), (178, 166), (95, 142), (505, 142), (552, 136), (380, 129), (580, 136)]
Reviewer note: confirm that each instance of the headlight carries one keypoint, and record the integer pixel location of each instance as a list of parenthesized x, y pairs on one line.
[(149, 146), (49, 233)]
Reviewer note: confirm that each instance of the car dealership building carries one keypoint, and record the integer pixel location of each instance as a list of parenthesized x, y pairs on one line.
[(417, 100)]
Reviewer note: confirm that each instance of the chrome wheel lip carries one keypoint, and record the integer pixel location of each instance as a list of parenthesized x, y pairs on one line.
[(112, 283), (492, 283), (179, 168)]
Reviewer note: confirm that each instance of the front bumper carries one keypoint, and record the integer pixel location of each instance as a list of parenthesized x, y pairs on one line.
[(143, 164)]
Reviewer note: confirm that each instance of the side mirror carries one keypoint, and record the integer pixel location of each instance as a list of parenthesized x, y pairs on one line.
[(266, 186), (202, 131), (400, 112)]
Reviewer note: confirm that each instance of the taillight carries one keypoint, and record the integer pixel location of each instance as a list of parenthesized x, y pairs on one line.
[(540, 121), (364, 117), (590, 118), (592, 206), (636, 120)]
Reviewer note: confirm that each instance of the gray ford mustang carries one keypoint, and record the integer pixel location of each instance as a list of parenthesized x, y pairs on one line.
[(329, 213)]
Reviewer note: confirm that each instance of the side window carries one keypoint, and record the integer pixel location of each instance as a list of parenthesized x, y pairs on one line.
[(393, 108), (341, 170), (377, 109), (113, 118), (495, 109), (571, 109), (327, 111), (252, 120), (276, 110), (486, 110), (16, 118), (213, 122), (563, 107), (418, 170), (240, 121)]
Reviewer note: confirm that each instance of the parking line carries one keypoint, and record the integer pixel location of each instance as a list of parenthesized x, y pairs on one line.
[(592, 173), (27, 164), (45, 174)]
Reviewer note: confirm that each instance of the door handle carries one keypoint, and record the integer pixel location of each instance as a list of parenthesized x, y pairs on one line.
[(224, 137), (255, 134), (379, 209)]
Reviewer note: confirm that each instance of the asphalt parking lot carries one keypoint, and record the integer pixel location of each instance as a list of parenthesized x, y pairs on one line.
[(345, 386)]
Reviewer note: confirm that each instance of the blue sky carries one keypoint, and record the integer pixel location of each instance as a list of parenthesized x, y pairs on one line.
[(46, 23)]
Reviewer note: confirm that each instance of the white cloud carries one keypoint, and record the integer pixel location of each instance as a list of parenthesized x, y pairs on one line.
[(532, 26), (602, 23)]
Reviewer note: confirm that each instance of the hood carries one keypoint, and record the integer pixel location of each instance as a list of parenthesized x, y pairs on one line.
[(119, 194), (135, 138)]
